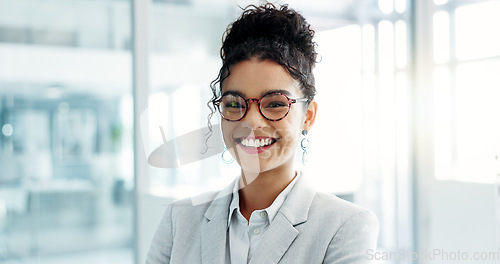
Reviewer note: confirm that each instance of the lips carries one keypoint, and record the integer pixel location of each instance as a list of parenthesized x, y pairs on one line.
[(255, 145)]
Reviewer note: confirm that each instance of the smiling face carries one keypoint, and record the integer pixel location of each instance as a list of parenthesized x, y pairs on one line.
[(258, 144)]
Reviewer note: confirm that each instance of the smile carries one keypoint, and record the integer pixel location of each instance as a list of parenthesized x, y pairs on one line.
[(257, 142), (255, 145)]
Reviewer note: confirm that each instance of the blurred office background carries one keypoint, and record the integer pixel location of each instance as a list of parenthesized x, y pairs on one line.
[(408, 122)]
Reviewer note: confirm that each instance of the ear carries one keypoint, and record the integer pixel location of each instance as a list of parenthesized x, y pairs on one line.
[(310, 115)]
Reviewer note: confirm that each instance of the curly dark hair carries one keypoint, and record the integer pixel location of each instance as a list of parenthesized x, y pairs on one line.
[(267, 32)]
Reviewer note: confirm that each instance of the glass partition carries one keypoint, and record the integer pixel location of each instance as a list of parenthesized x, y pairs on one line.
[(66, 159)]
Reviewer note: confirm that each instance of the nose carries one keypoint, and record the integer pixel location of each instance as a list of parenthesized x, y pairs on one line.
[(253, 117)]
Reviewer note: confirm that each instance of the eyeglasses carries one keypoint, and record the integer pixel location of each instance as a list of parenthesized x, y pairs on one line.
[(273, 106)]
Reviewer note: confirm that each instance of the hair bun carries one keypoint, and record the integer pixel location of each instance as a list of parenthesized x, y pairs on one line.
[(268, 22)]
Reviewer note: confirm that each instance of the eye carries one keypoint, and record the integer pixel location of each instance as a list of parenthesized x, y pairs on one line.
[(276, 104), (233, 104), (231, 101)]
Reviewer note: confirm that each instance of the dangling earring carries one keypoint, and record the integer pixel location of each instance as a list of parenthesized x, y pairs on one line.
[(304, 144), (225, 158)]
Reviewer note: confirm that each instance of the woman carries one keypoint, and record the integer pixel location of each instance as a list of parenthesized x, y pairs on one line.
[(269, 214)]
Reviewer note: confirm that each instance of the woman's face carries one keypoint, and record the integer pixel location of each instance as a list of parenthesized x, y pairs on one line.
[(253, 79)]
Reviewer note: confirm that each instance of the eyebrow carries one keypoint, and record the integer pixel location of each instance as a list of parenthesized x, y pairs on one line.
[(285, 92), (234, 92)]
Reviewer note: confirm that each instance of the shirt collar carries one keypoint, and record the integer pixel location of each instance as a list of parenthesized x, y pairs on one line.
[(272, 210)]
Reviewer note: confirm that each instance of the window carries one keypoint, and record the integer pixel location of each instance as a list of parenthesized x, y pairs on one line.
[(466, 55), (458, 138)]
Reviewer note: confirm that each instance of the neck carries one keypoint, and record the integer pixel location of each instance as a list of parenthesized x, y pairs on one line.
[(262, 190)]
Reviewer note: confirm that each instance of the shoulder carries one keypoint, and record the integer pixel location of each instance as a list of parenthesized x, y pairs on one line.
[(195, 203), (181, 222), (322, 206), (342, 217), (195, 209), (330, 212), (354, 228), (349, 229), (332, 207), (356, 233), (323, 210)]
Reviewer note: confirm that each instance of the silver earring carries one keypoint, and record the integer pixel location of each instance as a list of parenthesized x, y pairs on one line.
[(304, 144), (224, 156)]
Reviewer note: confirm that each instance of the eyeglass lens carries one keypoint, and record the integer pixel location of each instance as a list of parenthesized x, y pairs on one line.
[(273, 106)]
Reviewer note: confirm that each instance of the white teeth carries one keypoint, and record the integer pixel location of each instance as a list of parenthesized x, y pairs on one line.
[(256, 143)]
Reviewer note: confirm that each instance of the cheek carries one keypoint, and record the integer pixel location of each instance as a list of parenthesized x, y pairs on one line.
[(227, 131), (294, 125), (290, 132), (293, 132)]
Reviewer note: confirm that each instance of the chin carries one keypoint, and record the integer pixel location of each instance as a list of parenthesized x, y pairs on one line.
[(258, 165)]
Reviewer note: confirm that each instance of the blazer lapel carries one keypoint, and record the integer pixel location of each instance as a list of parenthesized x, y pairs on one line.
[(214, 230), (276, 241), (282, 232), (213, 241)]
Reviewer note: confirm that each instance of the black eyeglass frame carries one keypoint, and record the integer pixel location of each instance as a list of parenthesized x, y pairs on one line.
[(249, 100)]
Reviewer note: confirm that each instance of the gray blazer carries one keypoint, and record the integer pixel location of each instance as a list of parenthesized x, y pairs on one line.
[(310, 227)]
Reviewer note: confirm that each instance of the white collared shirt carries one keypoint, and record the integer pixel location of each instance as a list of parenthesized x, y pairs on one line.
[(244, 236)]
